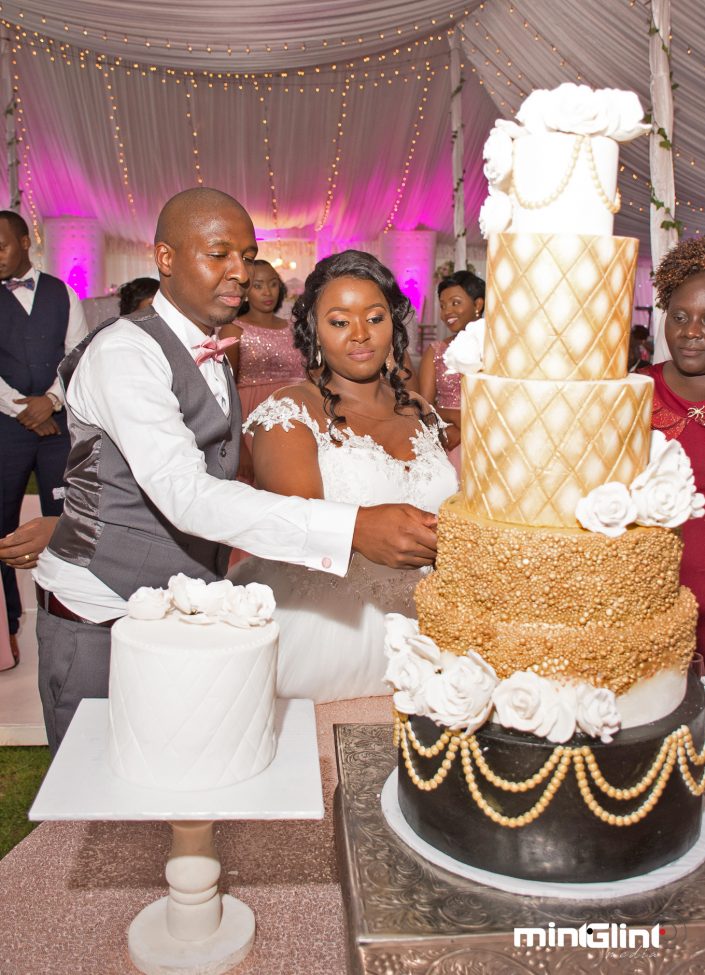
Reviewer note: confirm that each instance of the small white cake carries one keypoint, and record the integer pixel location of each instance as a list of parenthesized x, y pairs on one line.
[(192, 691)]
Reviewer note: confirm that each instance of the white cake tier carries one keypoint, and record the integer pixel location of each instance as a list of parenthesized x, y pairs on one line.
[(533, 448), (191, 706), (564, 184), (559, 306)]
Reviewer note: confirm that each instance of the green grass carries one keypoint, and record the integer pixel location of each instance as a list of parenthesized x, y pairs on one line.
[(21, 772), (32, 487)]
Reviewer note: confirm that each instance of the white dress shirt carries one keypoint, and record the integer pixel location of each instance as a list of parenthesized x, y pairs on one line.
[(75, 331), (123, 386)]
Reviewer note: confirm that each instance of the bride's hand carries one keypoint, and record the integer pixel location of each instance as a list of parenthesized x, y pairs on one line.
[(397, 535)]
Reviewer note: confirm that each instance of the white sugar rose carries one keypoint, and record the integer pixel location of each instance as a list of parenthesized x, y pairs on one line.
[(664, 493), (495, 213), (498, 154), (526, 702), (148, 604), (212, 600), (397, 630), (578, 109), (251, 605), (186, 593), (597, 713), (669, 455), (564, 713), (408, 673), (464, 354), (460, 696), (607, 509), (402, 635)]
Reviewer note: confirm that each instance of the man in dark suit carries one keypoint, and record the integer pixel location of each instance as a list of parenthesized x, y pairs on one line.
[(40, 320)]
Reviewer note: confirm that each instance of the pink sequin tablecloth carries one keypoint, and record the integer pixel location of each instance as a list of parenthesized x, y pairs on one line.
[(70, 890)]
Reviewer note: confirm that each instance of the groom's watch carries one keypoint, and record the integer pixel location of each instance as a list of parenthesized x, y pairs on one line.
[(56, 403)]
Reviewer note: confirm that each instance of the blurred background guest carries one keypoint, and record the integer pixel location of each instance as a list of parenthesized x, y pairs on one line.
[(137, 294), (264, 359), (462, 300), (41, 320)]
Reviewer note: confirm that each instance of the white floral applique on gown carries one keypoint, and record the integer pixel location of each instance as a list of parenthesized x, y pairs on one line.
[(332, 629)]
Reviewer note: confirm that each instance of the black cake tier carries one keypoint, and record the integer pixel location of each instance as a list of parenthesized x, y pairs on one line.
[(567, 843)]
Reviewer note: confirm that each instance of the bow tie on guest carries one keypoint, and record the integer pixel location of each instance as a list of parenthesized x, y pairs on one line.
[(12, 284), (212, 348)]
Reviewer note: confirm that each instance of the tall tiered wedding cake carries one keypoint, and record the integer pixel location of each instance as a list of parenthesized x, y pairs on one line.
[(555, 617)]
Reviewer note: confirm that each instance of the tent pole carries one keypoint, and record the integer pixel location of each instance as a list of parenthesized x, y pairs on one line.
[(7, 99), (663, 193), (456, 123)]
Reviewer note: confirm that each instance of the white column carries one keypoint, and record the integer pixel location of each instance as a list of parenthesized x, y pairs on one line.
[(661, 156), (458, 143), (410, 255), (74, 250)]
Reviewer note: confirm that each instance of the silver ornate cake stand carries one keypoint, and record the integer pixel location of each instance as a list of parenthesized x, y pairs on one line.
[(194, 929), (408, 917)]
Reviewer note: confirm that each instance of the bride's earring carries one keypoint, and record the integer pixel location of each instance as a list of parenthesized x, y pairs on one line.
[(389, 361), (318, 358)]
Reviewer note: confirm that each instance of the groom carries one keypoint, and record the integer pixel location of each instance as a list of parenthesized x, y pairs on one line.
[(154, 418)]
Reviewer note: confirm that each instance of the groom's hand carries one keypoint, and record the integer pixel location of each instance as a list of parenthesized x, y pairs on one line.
[(397, 535)]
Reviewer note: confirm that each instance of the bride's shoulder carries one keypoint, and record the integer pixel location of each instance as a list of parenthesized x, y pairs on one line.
[(287, 406)]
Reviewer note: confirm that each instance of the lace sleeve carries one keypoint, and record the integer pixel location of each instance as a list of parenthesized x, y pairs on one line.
[(280, 412)]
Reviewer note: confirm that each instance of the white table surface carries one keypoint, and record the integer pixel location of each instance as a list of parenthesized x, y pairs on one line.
[(80, 784)]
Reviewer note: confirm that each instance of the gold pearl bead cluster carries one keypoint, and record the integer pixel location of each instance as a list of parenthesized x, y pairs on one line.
[(581, 140), (677, 749)]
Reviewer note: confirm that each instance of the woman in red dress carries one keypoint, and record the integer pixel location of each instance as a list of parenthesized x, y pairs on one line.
[(679, 393)]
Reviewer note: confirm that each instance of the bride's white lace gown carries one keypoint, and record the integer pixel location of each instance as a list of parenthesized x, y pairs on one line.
[(332, 629)]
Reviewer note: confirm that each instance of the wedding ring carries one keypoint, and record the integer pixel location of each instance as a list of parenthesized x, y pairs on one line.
[(28, 558)]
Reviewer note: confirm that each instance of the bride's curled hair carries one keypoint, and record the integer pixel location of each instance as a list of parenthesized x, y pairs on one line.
[(353, 264)]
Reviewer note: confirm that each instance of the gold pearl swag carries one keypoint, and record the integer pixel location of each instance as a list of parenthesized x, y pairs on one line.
[(677, 749), (581, 140)]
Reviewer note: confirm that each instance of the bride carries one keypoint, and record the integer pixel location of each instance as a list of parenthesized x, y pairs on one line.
[(352, 433)]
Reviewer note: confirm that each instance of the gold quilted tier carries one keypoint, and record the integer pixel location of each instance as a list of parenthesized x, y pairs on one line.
[(532, 448), (533, 633), (559, 306), (559, 576)]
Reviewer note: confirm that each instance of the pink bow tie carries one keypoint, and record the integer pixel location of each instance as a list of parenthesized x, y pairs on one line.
[(12, 284), (212, 348)]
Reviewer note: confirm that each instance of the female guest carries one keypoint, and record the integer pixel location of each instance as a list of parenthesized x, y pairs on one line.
[(679, 393), (462, 300), (137, 294), (264, 359), (351, 432)]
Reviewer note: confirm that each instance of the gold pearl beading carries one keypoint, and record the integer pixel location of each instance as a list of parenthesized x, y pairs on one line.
[(580, 140), (678, 749)]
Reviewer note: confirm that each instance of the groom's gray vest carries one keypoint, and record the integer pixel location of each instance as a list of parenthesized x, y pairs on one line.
[(109, 525)]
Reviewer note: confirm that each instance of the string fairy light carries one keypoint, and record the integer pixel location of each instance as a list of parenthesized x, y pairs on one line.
[(337, 149), (27, 189), (415, 133), (268, 160), (114, 118), (305, 77), (189, 88), (225, 49)]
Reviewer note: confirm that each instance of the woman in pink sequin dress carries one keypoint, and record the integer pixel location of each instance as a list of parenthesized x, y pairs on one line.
[(264, 359), (462, 300)]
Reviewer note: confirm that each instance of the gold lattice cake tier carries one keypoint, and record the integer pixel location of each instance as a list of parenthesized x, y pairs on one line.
[(559, 305), (568, 604), (533, 448)]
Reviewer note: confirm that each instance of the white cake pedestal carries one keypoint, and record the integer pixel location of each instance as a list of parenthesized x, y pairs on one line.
[(192, 930)]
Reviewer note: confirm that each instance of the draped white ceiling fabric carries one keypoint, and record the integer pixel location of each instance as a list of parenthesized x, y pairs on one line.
[(325, 118)]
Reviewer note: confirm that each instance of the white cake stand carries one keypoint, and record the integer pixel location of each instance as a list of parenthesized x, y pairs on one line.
[(194, 929)]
